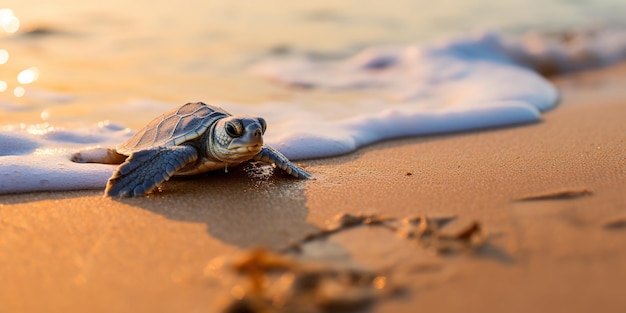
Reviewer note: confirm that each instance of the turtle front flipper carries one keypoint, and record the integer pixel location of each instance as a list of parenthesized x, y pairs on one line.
[(272, 156), (146, 169)]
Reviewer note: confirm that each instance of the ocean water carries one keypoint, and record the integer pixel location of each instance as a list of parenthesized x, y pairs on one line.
[(328, 76)]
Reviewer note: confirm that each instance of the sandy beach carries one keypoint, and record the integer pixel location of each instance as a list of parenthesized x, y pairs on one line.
[(549, 199)]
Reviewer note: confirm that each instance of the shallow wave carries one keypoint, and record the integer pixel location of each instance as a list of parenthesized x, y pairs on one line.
[(461, 84)]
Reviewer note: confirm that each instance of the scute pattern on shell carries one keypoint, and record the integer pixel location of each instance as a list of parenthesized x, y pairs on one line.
[(174, 127)]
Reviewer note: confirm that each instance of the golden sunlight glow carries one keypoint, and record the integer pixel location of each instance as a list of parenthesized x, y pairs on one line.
[(104, 123), (28, 75), (4, 56), (19, 92), (49, 151), (9, 22), (39, 129)]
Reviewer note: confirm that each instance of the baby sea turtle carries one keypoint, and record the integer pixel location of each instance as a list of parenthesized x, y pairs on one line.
[(192, 139)]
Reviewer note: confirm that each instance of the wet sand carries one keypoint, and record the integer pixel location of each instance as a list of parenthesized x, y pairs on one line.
[(549, 196)]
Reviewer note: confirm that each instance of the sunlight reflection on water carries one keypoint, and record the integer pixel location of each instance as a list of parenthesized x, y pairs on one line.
[(39, 129), (10, 24), (8, 21), (28, 75), (4, 56), (19, 91), (82, 61)]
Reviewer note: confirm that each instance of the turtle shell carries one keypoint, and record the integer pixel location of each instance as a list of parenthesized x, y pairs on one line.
[(175, 127)]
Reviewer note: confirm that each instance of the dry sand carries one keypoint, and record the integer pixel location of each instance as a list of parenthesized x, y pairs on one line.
[(80, 252)]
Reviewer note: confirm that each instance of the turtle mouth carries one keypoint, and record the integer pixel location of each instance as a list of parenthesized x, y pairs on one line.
[(247, 149)]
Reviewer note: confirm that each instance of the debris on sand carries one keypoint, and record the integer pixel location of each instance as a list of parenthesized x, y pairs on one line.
[(339, 223), (615, 223), (558, 195), (426, 231), (345, 220), (278, 284)]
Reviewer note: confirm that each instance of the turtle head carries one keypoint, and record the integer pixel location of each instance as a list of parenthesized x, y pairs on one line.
[(237, 139)]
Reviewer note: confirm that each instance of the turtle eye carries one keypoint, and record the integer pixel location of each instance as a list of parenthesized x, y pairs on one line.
[(263, 124), (233, 130)]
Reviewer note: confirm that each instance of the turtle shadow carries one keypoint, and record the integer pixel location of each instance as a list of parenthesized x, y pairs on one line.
[(237, 208)]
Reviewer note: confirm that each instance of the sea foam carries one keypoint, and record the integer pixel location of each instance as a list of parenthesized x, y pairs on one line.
[(456, 85)]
